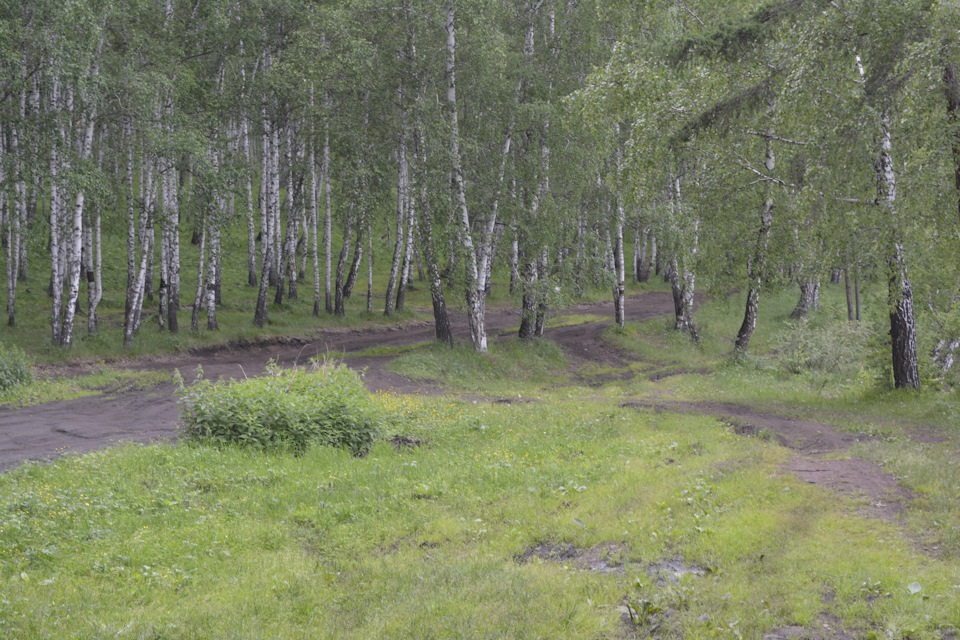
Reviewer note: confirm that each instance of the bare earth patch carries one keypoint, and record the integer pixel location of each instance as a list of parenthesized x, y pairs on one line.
[(86, 424), (812, 442)]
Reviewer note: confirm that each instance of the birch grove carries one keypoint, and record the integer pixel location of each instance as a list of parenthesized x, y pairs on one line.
[(534, 146)]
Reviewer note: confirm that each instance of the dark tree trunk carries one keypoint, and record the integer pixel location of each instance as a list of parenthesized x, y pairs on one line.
[(749, 320), (757, 266), (849, 291), (903, 331), (338, 308), (528, 315), (809, 295), (856, 292), (642, 266), (354, 272)]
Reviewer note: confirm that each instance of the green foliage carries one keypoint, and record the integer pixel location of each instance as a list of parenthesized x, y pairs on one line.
[(730, 38), (287, 409), (506, 368), (831, 347), (16, 369), (105, 380)]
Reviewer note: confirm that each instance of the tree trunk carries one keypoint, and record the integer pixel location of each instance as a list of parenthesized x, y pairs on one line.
[(212, 274), (261, 315), (402, 186), (846, 286), (293, 221), (641, 265), (251, 224), (172, 221), (76, 237), (327, 220), (514, 259), (369, 266), (93, 321), (528, 312), (476, 300), (856, 292), (314, 220), (405, 268), (809, 292), (199, 298), (903, 328), (56, 285), (952, 86), (620, 293), (354, 271), (338, 308), (682, 276), (757, 266)]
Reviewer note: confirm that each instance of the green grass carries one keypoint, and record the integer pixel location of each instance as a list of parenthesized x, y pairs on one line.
[(509, 366), (105, 380), (196, 542), (235, 315), (441, 541)]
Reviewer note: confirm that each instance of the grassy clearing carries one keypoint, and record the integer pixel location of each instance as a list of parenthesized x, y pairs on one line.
[(190, 542), (105, 380), (558, 518), (509, 366), (235, 315)]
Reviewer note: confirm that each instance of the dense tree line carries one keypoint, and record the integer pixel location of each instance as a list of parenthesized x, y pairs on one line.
[(751, 144)]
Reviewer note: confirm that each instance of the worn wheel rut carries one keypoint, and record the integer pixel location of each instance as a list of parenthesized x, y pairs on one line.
[(90, 423), (815, 445)]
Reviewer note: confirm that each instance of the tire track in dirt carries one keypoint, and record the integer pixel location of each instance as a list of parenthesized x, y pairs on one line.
[(811, 443), (95, 422), (86, 424)]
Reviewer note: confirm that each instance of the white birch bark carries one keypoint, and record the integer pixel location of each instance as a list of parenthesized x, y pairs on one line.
[(261, 315), (402, 200), (369, 267), (96, 255), (327, 220), (76, 242), (251, 226), (314, 212), (475, 294), (212, 272)]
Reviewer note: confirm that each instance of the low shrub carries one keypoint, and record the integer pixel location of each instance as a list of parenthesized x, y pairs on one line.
[(15, 367), (832, 347), (287, 409)]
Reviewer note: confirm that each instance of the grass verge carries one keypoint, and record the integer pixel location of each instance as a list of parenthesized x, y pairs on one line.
[(510, 521)]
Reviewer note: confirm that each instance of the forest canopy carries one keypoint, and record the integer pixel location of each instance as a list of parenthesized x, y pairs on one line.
[(737, 145)]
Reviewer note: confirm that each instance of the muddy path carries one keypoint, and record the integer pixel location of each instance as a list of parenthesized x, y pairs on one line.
[(86, 424), (815, 447), (90, 423)]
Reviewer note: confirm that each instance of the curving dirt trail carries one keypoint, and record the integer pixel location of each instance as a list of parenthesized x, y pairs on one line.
[(814, 444), (90, 423), (86, 424)]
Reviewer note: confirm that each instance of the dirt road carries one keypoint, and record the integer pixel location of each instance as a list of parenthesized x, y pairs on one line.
[(94, 422)]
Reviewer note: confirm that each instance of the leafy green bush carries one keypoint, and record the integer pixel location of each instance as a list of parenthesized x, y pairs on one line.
[(15, 367), (288, 409), (836, 346)]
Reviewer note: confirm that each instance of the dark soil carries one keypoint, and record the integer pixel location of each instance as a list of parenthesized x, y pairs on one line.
[(404, 442), (812, 442), (43, 431), (47, 430)]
